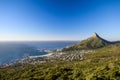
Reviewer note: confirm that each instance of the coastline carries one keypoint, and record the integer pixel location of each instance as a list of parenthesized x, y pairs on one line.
[(46, 55)]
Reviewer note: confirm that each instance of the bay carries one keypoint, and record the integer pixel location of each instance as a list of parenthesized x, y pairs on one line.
[(10, 51)]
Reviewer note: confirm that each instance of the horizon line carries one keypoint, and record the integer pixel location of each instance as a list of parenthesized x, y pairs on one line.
[(33, 40)]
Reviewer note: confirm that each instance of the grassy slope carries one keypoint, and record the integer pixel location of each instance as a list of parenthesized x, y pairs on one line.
[(90, 43), (103, 64)]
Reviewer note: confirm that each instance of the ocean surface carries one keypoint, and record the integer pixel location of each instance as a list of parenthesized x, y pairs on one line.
[(10, 51)]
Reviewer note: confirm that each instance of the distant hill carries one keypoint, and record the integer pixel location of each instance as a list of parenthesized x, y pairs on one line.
[(93, 42)]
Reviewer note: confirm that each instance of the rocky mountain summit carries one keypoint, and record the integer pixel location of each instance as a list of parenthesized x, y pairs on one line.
[(93, 42)]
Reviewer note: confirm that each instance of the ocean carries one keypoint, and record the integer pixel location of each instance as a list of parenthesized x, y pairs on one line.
[(10, 51)]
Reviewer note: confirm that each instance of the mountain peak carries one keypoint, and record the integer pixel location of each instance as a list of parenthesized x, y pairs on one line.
[(92, 42), (95, 35)]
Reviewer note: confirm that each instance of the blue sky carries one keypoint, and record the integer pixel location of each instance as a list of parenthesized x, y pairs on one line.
[(59, 19)]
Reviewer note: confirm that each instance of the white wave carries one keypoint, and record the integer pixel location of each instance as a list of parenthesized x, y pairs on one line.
[(49, 54)]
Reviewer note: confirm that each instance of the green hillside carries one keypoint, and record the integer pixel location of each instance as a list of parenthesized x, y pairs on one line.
[(100, 62), (93, 42), (103, 64)]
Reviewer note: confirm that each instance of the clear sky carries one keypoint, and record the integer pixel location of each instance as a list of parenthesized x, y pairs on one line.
[(59, 19)]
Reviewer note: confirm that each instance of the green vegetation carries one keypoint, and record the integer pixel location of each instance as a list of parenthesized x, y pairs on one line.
[(93, 42), (101, 61), (103, 64)]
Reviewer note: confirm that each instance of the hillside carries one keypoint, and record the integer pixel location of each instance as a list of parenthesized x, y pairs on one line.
[(103, 64), (93, 42), (100, 61)]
